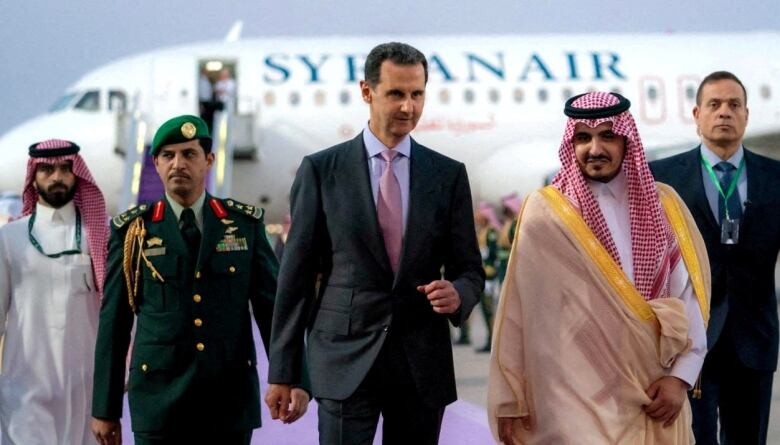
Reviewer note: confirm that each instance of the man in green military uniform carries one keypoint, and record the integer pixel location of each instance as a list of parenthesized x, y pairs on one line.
[(185, 269)]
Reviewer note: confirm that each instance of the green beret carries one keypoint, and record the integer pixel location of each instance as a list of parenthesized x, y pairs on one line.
[(181, 129)]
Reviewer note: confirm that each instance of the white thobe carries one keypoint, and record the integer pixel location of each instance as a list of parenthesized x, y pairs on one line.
[(48, 316), (612, 198)]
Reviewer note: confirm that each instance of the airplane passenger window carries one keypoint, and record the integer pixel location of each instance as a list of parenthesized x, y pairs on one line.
[(90, 101), (542, 95), (690, 93), (295, 98), (117, 100), (518, 95), (344, 97), (269, 99), (566, 93), (494, 96), (468, 96), (62, 102), (766, 92), (616, 90), (444, 96), (319, 97), (652, 93)]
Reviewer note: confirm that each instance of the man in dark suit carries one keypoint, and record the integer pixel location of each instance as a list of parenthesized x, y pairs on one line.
[(732, 195), (195, 264), (374, 222)]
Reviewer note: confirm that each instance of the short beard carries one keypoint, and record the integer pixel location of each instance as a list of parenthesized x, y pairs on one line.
[(58, 197)]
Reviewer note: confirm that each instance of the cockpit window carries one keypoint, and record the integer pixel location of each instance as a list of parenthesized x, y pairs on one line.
[(90, 101), (62, 102), (117, 100)]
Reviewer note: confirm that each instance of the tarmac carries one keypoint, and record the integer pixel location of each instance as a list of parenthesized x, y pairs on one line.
[(465, 421), (471, 370)]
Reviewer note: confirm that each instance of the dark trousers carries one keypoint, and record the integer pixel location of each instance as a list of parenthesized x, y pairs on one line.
[(194, 437), (740, 397), (387, 389)]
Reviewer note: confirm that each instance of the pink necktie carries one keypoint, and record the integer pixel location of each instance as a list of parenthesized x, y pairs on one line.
[(389, 210)]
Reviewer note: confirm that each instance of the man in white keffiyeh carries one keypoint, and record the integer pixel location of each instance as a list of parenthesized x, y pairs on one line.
[(601, 326), (52, 262)]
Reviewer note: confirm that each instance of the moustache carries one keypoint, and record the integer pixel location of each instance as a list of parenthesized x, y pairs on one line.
[(598, 158), (179, 175), (57, 185)]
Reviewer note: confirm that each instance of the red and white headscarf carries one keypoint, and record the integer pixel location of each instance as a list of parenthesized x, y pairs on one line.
[(513, 202), (487, 211), (653, 245), (88, 200)]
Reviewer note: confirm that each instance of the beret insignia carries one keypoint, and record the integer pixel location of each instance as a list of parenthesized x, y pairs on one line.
[(188, 130)]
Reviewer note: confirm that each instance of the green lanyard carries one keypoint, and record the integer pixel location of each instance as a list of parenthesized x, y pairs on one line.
[(716, 182), (37, 245)]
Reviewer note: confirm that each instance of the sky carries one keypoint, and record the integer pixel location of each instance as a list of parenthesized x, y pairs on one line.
[(45, 45)]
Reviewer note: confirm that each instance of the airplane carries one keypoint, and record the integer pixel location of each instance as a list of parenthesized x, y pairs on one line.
[(494, 102)]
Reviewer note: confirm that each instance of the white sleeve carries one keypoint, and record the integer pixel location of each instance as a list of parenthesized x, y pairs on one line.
[(688, 364), (5, 282)]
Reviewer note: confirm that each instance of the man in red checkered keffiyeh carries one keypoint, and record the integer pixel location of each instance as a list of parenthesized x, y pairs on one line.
[(52, 263), (87, 197), (654, 248), (600, 330)]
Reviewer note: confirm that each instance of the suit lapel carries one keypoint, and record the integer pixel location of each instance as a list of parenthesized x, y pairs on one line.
[(422, 182), (755, 186), (357, 184), (695, 185)]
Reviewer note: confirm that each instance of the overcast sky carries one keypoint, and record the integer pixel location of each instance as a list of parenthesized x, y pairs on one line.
[(47, 44)]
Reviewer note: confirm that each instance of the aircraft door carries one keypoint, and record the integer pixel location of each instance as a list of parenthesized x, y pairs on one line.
[(652, 102), (686, 93), (174, 88)]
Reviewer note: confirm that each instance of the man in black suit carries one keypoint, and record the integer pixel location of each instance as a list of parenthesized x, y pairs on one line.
[(732, 194), (374, 222)]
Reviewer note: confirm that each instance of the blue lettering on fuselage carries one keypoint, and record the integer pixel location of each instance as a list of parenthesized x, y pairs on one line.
[(497, 69), (437, 66), (535, 63), (313, 68), (282, 73), (280, 68), (598, 72)]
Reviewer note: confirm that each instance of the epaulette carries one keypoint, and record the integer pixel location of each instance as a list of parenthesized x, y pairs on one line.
[(254, 212), (130, 214)]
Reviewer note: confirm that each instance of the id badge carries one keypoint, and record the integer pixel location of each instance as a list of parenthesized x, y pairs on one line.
[(729, 231)]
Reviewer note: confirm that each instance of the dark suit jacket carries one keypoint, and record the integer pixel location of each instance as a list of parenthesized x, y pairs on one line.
[(335, 233), (744, 305), (172, 384)]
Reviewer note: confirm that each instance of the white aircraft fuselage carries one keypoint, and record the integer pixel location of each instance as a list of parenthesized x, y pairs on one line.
[(493, 102)]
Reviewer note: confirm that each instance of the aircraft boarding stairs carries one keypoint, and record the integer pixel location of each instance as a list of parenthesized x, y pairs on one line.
[(232, 139)]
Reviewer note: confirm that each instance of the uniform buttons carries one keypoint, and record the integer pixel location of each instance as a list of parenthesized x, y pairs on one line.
[(249, 362), (144, 367), (196, 298), (385, 328), (232, 269), (198, 322), (197, 275), (200, 346)]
